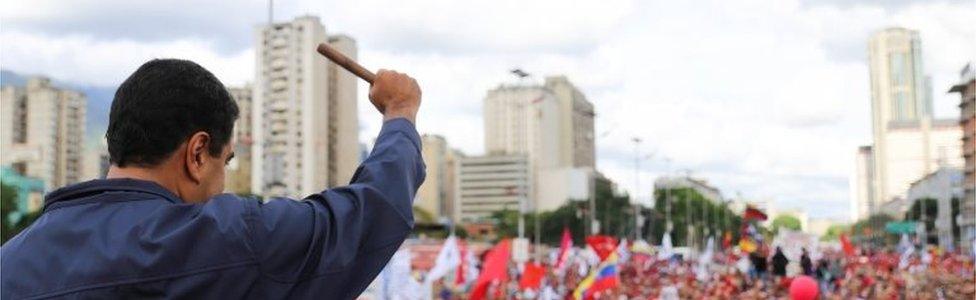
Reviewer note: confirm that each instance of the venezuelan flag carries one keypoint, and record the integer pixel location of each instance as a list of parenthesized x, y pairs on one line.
[(604, 277), (747, 245)]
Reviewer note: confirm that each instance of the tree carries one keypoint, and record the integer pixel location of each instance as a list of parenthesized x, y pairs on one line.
[(833, 232), (614, 212), (871, 231), (422, 216), (8, 205), (785, 221), (689, 207), (11, 225)]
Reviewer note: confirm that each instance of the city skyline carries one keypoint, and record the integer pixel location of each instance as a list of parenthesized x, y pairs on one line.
[(684, 94)]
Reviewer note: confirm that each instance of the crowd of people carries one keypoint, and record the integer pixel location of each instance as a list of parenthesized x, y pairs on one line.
[(763, 274)]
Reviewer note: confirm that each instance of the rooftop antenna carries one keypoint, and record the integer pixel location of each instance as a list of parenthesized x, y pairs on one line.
[(518, 72), (270, 12)]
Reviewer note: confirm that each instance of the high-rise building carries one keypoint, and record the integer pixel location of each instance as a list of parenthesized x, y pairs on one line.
[(305, 123), (907, 142), (343, 115), (967, 107), (436, 195), (524, 120), (576, 136), (861, 185), (96, 162), (43, 131), (238, 177), (487, 184), (899, 91)]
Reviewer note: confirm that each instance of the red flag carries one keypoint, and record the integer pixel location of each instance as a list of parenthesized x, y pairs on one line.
[(564, 247), (459, 279), (603, 245), (727, 240), (752, 213), (846, 245), (532, 276), (495, 269)]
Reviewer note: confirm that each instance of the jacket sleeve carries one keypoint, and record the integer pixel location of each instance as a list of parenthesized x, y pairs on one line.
[(349, 231)]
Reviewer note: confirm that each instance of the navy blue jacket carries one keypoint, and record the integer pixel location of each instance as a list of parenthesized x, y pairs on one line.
[(125, 238)]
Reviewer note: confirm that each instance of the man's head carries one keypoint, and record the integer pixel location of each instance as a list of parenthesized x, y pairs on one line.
[(172, 121)]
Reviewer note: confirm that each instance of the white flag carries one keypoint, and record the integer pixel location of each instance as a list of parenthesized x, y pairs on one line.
[(705, 260), (665, 252), (447, 260), (623, 252), (396, 281)]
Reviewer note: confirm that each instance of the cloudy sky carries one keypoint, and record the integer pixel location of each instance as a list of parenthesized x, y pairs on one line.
[(764, 98)]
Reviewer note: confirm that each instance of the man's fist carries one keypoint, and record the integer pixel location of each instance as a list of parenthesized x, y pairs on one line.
[(395, 95)]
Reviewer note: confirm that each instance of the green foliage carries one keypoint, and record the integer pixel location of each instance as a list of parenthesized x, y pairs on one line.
[(833, 232), (421, 215), (688, 207), (785, 221), (8, 208), (871, 231), (614, 212)]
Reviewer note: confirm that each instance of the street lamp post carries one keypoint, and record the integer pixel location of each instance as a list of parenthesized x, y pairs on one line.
[(667, 196), (637, 159)]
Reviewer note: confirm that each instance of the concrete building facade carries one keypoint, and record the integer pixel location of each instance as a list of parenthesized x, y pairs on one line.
[(967, 108), (861, 185), (576, 124), (238, 177), (42, 135), (525, 120), (907, 142), (437, 194), (918, 148), (304, 115), (943, 185), (487, 184)]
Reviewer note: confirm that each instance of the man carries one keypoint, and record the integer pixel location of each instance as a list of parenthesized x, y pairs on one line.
[(156, 227), (805, 263), (779, 262)]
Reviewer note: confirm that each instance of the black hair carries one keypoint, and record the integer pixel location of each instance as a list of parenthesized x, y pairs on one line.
[(161, 105)]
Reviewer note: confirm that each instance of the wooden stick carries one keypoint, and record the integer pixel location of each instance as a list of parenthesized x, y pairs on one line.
[(346, 63)]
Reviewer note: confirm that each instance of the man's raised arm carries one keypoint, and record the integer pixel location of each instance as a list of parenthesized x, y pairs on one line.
[(344, 236)]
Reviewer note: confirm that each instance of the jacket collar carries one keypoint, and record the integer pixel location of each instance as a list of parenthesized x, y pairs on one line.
[(90, 188)]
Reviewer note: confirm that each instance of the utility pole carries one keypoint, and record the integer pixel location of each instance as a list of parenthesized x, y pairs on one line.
[(667, 195), (704, 221), (637, 159), (690, 230), (591, 223), (270, 12)]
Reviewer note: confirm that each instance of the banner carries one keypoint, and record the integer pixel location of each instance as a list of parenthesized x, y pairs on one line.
[(495, 269)]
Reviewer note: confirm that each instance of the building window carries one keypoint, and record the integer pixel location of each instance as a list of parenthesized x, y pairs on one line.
[(897, 63)]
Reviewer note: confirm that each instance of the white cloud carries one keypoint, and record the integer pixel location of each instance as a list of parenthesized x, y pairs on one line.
[(86, 60), (768, 98)]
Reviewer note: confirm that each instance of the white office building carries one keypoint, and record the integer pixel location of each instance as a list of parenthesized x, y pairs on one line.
[(576, 137), (487, 184), (43, 130), (304, 111), (907, 142)]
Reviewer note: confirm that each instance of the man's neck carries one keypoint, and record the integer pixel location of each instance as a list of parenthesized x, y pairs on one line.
[(155, 174)]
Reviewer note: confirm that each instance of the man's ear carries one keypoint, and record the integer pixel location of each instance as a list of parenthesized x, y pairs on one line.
[(197, 154)]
